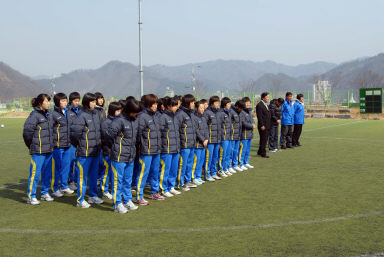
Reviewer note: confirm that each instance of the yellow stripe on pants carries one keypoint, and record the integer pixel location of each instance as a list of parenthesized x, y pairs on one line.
[(32, 178), (140, 179)]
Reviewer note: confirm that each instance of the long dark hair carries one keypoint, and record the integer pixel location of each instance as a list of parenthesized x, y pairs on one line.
[(38, 100), (87, 98)]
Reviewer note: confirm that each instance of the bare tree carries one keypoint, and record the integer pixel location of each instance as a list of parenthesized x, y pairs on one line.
[(368, 79)]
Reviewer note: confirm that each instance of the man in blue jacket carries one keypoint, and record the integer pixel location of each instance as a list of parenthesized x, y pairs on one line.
[(287, 121), (298, 108)]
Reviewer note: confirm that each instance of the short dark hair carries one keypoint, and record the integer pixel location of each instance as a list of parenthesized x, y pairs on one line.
[(113, 107), (38, 100), (130, 97), (280, 100), (204, 101), (263, 95), (172, 101), (123, 102), (288, 94), (187, 100), (240, 104), (299, 96), (246, 99), (213, 99), (149, 100), (225, 101), (132, 106), (87, 98), (57, 97), (73, 96), (100, 96), (165, 101), (198, 103)]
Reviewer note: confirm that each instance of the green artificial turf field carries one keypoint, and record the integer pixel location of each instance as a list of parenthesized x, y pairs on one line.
[(325, 198)]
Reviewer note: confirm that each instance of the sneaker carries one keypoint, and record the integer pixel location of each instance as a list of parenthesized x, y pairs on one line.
[(121, 209), (273, 150), (72, 186), (57, 194), (278, 150), (156, 196), (210, 179), (67, 191), (131, 206), (283, 147), (95, 200), (232, 170), (237, 168), (168, 194), (228, 173), (142, 202), (46, 197), (249, 166), (222, 174), (33, 201), (185, 188), (174, 191), (107, 196), (197, 182), (243, 168), (191, 185), (84, 204), (216, 177)]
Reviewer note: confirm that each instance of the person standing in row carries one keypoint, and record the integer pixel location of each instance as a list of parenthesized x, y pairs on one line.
[(263, 123), (298, 108), (248, 125), (275, 109), (287, 121)]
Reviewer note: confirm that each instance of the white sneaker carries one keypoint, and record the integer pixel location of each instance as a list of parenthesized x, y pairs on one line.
[(273, 151), (95, 200), (249, 166), (107, 196), (84, 204), (228, 173), (185, 188), (237, 168), (131, 206), (58, 194), (168, 194), (121, 209), (216, 177), (174, 191), (243, 168), (232, 170), (67, 191), (222, 174), (72, 186), (33, 201), (47, 198), (210, 179)]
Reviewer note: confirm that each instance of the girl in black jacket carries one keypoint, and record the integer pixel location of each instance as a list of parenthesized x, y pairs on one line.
[(37, 136)]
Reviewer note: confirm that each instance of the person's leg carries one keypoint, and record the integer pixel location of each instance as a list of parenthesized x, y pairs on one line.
[(235, 153), (208, 160), (190, 163), (215, 159), (165, 166), (195, 162), (35, 167), (117, 169), (242, 150), (229, 154), (300, 129), (93, 175), (143, 167), (222, 154), (105, 175), (200, 155), (173, 171), (289, 136), (263, 142), (65, 168), (127, 182), (247, 151), (294, 134), (183, 159), (272, 138), (284, 132), (72, 176), (154, 174), (47, 174), (82, 168), (58, 159)]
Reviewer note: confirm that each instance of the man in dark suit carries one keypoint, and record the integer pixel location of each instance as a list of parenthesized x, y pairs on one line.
[(263, 123)]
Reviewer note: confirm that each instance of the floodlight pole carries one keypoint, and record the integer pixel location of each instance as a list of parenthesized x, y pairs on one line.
[(141, 52)]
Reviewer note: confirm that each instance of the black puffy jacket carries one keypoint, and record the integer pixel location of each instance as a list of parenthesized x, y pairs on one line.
[(123, 132), (86, 133), (37, 132), (225, 122), (210, 115), (275, 112), (236, 124), (149, 135), (101, 111), (170, 137), (247, 123), (187, 129), (61, 128), (202, 131), (106, 141)]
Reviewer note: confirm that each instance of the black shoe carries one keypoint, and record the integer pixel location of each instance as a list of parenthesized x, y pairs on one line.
[(298, 144), (290, 146), (283, 147), (265, 156)]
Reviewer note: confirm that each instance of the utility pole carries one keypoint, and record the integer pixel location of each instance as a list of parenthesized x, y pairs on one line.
[(141, 51)]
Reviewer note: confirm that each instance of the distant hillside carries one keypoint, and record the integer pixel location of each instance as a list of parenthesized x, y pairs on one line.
[(15, 84)]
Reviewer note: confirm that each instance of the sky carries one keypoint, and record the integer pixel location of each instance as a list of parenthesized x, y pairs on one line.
[(45, 37)]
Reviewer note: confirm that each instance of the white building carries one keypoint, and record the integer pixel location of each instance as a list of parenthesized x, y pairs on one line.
[(321, 91), (169, 92)]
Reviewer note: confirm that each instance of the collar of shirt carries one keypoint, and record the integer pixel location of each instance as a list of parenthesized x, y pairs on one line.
[(266, 105)]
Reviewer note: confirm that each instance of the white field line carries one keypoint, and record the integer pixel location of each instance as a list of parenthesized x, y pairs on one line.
[(347, 139), (187, 230), (332, 126)]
